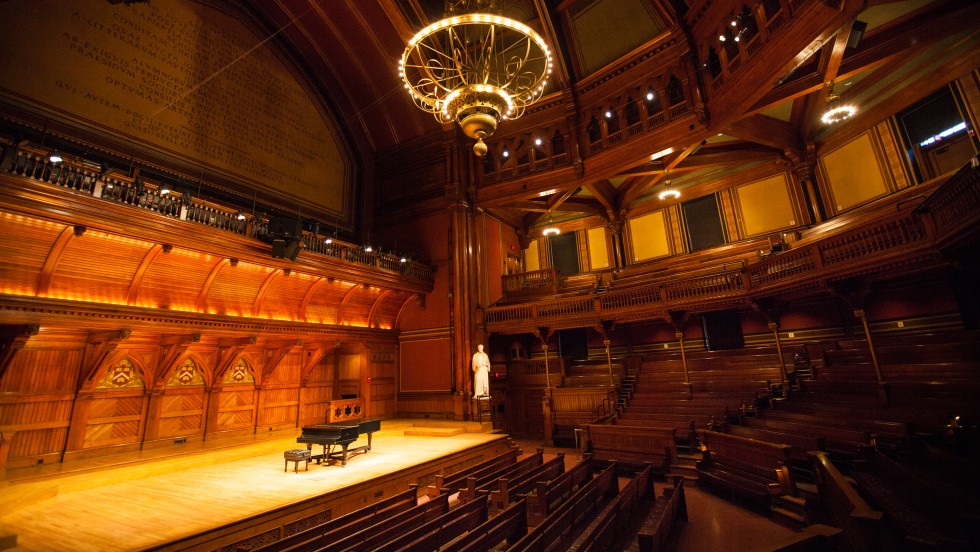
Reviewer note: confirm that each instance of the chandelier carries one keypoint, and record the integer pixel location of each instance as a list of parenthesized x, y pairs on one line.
[(836, 111), (475, 69)]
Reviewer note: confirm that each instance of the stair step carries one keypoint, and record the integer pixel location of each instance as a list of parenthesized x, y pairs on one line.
[(801, 502), (808, 488), (788, 514)]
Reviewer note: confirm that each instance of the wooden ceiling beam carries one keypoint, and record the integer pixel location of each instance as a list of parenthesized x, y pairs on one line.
[(768, 131)]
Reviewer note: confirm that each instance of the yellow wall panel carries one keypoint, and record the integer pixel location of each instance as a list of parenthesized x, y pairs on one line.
[(531, 257), (649, 236), (853, 173), (766, 205), (598, 253)]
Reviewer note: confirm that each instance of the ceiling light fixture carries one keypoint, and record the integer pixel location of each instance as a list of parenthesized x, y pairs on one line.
[(668, 192), (837, 111), (475, 68), (551, 229)]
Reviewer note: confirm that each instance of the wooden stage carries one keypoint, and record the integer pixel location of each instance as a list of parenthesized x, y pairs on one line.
[(144, 500)]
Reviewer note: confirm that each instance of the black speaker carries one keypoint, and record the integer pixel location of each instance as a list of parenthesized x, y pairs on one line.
[(292, 249), (278, 249)]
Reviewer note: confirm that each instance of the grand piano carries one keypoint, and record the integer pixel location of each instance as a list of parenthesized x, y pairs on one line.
[(338, 435)]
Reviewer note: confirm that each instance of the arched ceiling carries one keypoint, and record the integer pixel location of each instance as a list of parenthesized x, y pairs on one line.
[(908, 49)]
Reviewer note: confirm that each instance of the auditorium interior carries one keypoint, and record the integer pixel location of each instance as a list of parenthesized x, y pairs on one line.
[(722, 255)]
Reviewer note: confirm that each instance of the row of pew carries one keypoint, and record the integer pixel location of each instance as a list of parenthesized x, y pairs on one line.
[(521, 502), (847, 449)]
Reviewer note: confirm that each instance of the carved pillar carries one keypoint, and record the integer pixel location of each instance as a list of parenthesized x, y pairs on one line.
[(465, 280), (808, 181), (615, 228)]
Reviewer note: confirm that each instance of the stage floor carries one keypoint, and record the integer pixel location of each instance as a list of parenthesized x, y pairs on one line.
[(136, 501)]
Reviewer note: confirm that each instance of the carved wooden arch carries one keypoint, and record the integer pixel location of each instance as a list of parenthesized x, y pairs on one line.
[(340, 307), (257, 306), (115, 359), (202, 300), (172, 350), (199, 365), (273, 355), (419, 299), (310, 293), (134, 285), (229, 351), (374, 308), (13, 338), (46, 276), (249, 367)]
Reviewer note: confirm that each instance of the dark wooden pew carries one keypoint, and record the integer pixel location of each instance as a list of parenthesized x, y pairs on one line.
[(354, 521), (802, 444), (433, 534), (748, 468), (547, 494), (861, 524), (509, 488), (453, 482), (558, 530), (633, 446), (926, 517), (655, 534), (479, 483), (509, 525), (615, 518), (358, 537), (844, 443)]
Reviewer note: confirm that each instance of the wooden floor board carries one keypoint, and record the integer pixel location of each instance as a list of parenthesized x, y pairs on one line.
[(143, 503)]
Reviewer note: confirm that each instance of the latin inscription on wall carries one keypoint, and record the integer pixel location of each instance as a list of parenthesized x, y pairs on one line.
[(180, 78)]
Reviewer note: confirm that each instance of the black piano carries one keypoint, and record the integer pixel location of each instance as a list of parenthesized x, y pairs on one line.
[(338, 435)]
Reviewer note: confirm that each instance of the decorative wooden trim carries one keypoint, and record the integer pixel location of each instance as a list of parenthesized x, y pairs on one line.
[(134, 287), (51, 262)]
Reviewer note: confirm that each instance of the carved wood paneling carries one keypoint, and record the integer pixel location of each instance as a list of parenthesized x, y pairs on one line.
[(236, 406), (284, 296), (42, 371), (288, 370), (31, 444), (160, 289)]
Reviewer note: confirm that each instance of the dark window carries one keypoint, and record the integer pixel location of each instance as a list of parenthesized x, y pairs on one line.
[(564, 253), (675, 92), (722, 330), (704, 228)]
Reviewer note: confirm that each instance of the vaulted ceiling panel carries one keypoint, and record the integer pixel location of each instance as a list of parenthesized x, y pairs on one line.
[(22, 259), (107, 281), (324, 306), (174, 280), (234, 289), (282, 299)]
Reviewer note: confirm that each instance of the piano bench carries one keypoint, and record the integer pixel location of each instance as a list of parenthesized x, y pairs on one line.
[(296, 456)]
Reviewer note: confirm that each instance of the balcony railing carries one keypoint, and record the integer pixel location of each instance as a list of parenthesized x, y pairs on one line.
[(951, 212), (90, 179)]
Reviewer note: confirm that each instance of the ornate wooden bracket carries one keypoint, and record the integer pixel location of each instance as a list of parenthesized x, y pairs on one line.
[(274, 353), (13, 337), (172, 347), (98, 347), (229, 350), (311, 359)]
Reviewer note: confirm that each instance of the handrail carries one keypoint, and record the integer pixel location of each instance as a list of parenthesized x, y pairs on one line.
[(79, 176), (950, 211)]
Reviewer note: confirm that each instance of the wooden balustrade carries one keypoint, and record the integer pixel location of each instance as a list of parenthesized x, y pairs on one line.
[(857, 248), (79, 176)]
